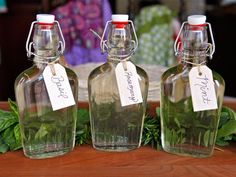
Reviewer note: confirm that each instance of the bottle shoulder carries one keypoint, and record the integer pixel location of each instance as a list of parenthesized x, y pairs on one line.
[(182, 71), (175, 70), (108, 69), (142, 73), (100, 70), (70, 73), (34, 74), (29, 74), (218, 77)]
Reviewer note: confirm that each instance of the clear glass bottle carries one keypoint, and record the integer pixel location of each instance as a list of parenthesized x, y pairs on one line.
[(45, 133), (184, 131), (115, 127)]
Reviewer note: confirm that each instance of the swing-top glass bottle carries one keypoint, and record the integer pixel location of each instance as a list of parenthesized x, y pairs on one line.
[(45, 133), (184, 131), (115, 127)]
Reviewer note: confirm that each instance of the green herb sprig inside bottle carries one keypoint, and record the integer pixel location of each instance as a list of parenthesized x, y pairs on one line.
[(117, 91), (191, 94), (46, 94)]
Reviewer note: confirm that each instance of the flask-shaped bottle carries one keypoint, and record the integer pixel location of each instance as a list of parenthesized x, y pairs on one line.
[(117, 91), (47, 125), (191, 94)]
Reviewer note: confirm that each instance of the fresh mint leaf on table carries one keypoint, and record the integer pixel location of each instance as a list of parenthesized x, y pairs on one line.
[(227, 127), (10, 138)]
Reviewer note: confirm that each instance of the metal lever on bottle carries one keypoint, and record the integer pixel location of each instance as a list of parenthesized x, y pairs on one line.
[(103, 42), (29, 44), (211, 47)]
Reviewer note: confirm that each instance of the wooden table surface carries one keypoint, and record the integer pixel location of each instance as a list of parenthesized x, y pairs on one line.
[(84, 161)]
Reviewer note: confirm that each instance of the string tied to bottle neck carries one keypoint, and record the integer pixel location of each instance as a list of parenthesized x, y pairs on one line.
[(194, 21), (45, 19), (198, 65), (186, 55), (104, 47)]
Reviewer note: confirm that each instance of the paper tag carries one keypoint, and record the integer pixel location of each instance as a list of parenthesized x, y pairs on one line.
[(202, 89), (58, 87), (128, 84)]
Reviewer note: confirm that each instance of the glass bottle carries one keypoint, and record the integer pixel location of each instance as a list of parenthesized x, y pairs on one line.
[(115, 127), (183, 130), (45, 133)]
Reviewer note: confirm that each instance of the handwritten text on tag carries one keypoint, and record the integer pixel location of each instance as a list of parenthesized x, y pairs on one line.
[(58, 87), (202, 89), (128, 84)]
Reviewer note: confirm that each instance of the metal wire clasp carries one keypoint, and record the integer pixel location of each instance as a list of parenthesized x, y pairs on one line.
[(211, 47), (29, 44), (103, 43)]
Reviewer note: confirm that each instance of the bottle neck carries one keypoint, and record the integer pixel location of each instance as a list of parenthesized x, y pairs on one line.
[(119, 41), (195, 43), (194, 57), (46, 43)]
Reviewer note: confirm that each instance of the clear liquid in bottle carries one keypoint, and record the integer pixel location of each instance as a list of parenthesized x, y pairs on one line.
[(184, 131), (115, 127), (45, 133)]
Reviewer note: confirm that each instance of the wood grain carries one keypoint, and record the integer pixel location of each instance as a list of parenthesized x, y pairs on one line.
[(145, 161)]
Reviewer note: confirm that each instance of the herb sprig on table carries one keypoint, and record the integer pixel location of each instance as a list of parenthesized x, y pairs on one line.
[(10, 139)]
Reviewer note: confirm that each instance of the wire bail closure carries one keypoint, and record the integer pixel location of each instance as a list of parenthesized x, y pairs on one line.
[(103, 43), (28, 45), (210, 48)]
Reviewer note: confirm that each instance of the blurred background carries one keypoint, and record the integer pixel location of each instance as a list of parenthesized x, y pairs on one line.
[(157, 23)]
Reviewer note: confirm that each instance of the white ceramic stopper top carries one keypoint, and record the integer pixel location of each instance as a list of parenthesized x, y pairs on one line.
[(45, 18), (196, 19), (120, 18)]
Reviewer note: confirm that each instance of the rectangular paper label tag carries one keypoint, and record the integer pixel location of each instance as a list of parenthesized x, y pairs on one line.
[(128, 84), (202, 89), (58, 87)]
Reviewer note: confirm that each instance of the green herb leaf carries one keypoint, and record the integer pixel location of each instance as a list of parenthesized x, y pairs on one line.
[(3, 146), (83, 133), (231, 113), (7, 119), (17, 135), (151, 131), (9, 138), (206, 137), (13, 107), (220, 142), (82, 117), (227, 129), (41, 132)]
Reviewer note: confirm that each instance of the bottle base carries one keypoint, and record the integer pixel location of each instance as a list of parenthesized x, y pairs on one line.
[(39, 154), (46, 155), (186, 150), (115, 148)]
